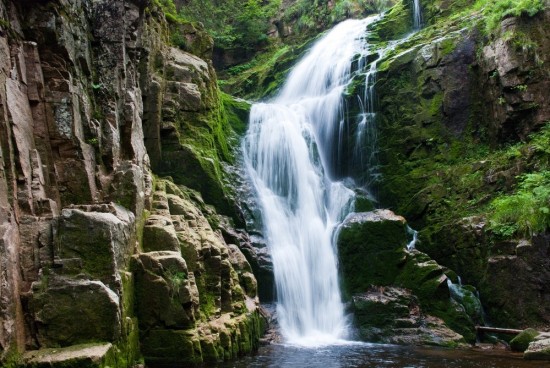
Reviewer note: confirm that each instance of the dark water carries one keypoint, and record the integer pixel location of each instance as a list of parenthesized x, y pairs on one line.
[(362, 355)]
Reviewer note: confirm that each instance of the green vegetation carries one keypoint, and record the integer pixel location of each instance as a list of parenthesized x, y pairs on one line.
[(232, 24), (525, 212), (495, 11), (12, 359)]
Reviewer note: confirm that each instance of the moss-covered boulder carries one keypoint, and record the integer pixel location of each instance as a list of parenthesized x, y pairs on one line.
[(523, 339), (372, 248), (393, 315), (55, 301)]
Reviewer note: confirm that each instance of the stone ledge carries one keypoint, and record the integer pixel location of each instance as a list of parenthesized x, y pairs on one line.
[(83, 356)]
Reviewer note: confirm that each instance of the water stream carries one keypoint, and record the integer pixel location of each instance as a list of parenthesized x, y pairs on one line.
[(294, 152), (417, 15)]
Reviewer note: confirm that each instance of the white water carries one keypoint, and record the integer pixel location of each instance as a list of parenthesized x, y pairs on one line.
[(292, 150), (417, 15)]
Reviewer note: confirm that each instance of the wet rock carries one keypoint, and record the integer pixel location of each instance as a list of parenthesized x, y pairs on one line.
[(369, 248), (393, 315), (372, 251)]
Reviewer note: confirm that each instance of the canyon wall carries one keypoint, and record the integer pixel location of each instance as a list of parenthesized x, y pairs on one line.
[(96, 248)]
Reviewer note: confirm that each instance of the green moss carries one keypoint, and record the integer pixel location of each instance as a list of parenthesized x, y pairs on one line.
[(370, 253), (395, 24), (521, 342), (237, 112), (495, 11), (12, 358), (263, 75), (172, 346)]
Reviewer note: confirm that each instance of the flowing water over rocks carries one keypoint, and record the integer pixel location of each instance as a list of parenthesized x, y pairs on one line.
[(293, 152)]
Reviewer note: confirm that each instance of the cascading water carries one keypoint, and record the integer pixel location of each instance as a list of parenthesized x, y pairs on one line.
[(417, 15), (293, 151)]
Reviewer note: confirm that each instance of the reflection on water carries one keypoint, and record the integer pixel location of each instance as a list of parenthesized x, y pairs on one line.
[(361, 355)]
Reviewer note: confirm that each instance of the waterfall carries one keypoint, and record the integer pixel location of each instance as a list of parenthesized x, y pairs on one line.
[(293, 152), (417, 15)]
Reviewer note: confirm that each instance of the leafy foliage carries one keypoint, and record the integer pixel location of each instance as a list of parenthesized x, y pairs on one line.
[(527, 211), (495, 11), (233, 23)]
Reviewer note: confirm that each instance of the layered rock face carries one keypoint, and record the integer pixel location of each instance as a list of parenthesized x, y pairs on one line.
[(93, 100), (460, 113)]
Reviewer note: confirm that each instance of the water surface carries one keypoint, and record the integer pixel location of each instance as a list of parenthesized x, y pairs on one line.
[(363, 355)]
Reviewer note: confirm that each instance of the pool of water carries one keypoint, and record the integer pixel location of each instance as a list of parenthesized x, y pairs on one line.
[(362, 355)]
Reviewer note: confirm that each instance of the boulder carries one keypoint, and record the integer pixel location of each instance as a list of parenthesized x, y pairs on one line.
[(538, 350), (166, 291), (521, 341), (61, 304), (95, 240), (372, 248), (393, 315)]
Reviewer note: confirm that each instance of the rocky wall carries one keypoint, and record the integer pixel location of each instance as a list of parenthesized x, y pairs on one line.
[(459, 112), (93, 99)]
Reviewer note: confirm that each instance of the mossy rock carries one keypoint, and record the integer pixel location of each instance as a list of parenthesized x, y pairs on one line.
[(60, 304), (237, 112), (523, 339), (370, 248), (93, 355), (396, 23), (172, 346)]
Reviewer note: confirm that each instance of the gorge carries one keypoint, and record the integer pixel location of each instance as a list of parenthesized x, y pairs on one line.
[(145, 213)]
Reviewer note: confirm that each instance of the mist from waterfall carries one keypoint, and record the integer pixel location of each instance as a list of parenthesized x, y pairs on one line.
[(293, 151)]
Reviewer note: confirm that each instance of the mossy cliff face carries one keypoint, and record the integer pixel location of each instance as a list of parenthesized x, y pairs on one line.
[(462, 109), (94, 258)]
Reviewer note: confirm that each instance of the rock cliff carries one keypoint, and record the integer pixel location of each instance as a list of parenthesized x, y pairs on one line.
[(98, 256), (463, 118)]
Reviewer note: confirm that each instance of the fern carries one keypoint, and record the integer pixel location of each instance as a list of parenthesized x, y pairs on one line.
[(526, 212)]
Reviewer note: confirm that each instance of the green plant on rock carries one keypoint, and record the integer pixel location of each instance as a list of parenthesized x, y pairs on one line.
[(496, 11), (525, 212), (175, 278)]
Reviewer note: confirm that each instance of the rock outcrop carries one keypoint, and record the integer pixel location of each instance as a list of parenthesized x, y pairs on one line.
[(94, 102), (395, 290)]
